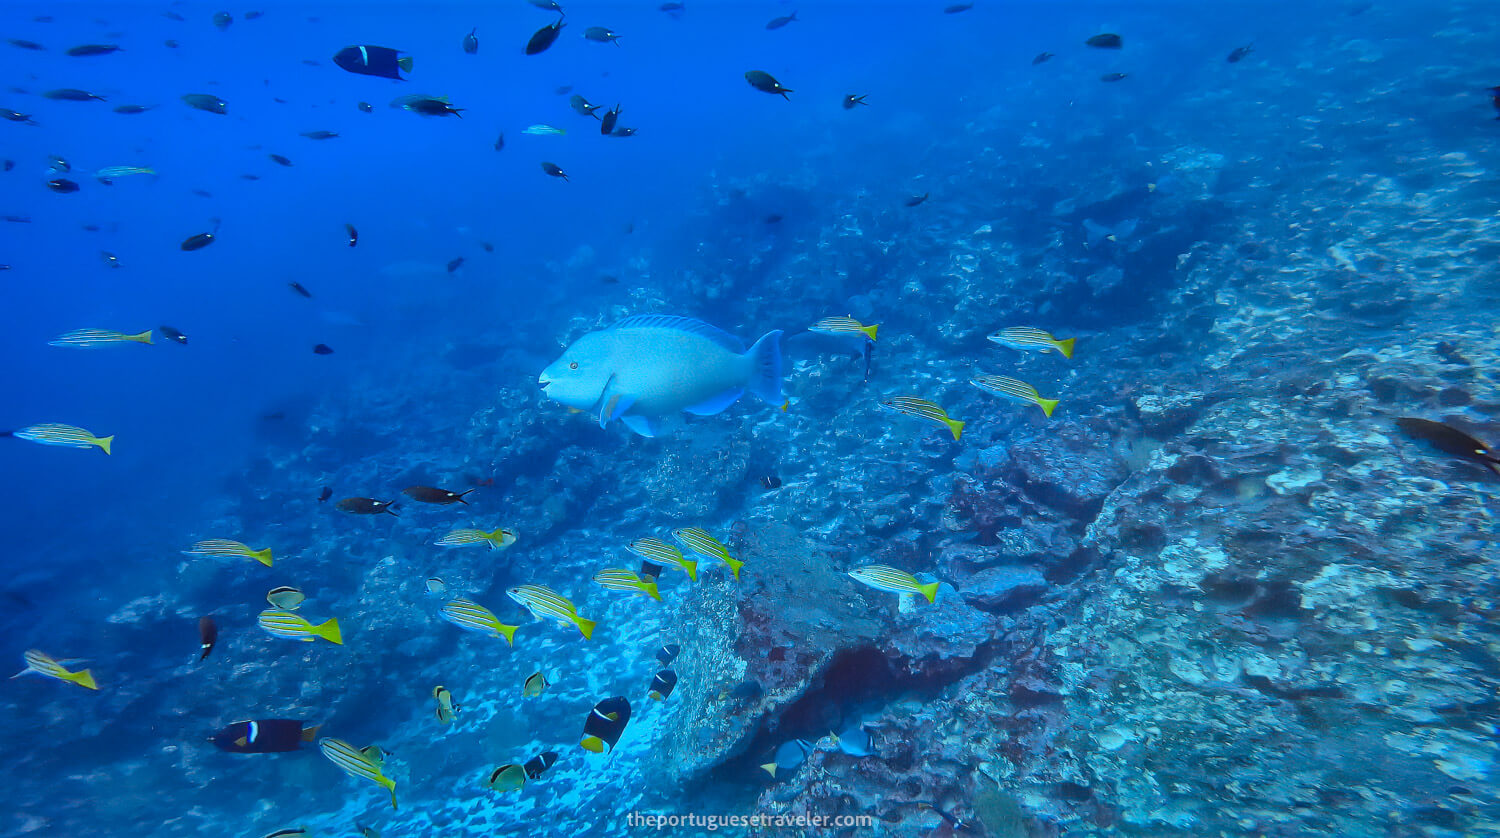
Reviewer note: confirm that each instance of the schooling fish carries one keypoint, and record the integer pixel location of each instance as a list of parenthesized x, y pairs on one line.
[(538, 765), (370, 60), (72, 94), (208, 635), (851, 100), (544, 37), (171, 334), (607, 124), (668, 653), (427, 105), (447, 709), (1105, 40), (778, 22), (427, 494), (225, 548), (455, 264), (83, 338), (1042, 58), (659, 552), (365, 506), (285, 597), (885, 578), (509, 777), (471, 616), (662, 685), (109, 173), (471, 42), (320, 135), (495, 539), (289, 625), (264, 736), (544, 130), (206, 102), (325, 349), (93, 49), (277, 158), (605, 724), (582, 106), (1238, 53), (40, 663), (646, 368), (197, 242), (66, 436), (843, 326), (1014, 390), (616, 579), (535, 683), (766, 82), (924, 409), (1449, 440), (952, 10), (545, 603), (62, 185), (357, 763), (601, 35), (365, 107), (1030, 338), (699, 541), (554, 170), (297, 287), (17, 116), (353, 240)]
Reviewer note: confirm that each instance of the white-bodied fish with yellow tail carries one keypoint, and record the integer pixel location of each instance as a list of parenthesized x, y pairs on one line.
[(67, 436), (357, 763), (88, 338), (40, 663), (659, 552), (225, 548), (495, 540), (545, 603), (1032, 339), (1014, 390), (924, 409), (287, 624), (471, 616), (843, 326), (699, 541), (886, 578), (618, 579)]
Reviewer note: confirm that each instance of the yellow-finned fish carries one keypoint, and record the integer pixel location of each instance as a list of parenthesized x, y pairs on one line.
[(471, 616), (1014, 390), (616, 579), (287, 624), (285, 597), (496, 540), (534, 684), (224, 548), (886, 578), (357, 763), (656, 551), (543, 602), (84, 338), (543, 130), (42, 664), (507, 778), (1030, 338), (447, 708), (844, 326), (66, 436), (924, 409), (109, 173), (699, 541)]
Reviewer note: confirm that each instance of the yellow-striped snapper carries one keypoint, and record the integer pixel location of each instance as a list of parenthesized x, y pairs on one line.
[(41, 663), (886, 578), (225, 548), (84, 338), (495, 540), (66, 436), (357, 763), (924, 409), (287, 624), (616, 579), (843, 326), (1030, 338), (1014, 390), (471, 616), (543, 602), (699, 541), (659, 552)]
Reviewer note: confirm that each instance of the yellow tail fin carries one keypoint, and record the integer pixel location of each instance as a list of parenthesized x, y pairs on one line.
[(390, 784), (311, 734), (143, 337), (262, 556), (404, 62), (929, 590), (651, 590), (585, 626), (691, 568), (770, 768), (330, 631), (955, 426), (734, 566), (1047, 405), (509, 633), (1066, 347), (592, 743), (83, 678), (870, 331), (104, 443)]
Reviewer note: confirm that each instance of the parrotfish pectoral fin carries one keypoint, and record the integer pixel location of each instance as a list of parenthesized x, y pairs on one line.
[(642, 425), (716, 405), (765, 373), (613, 402)]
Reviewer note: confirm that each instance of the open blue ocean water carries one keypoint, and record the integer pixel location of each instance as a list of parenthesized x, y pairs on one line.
[(1047, 419)]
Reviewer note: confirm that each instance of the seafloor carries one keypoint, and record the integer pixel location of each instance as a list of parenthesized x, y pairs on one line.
[(1215, 594)]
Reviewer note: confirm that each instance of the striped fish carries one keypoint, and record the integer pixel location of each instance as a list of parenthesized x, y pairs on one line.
[(1016, 391), (67, 436), (356, 763), (924, 409), (656, 551), (42, 664), (224, 548), (843, 326), (498, 539), (699, 541), (543, 602), (111, 172), (287, 624), (83, 338), (885, 578), (615, 579), (471, 616), (1030, 338)]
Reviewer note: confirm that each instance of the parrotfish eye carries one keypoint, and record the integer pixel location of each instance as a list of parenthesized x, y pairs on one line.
[(573, 365)]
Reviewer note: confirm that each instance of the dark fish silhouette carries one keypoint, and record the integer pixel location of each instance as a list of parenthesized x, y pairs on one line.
[(1041, 57), (500, 141), (582, 106), (429, 494), (770, 482), (851, 100), (1113, 76), (554, 170), (324, 495), (17, 116), (605, 724), (455, 264), (766, 82), (279, 159), (1106, 40), (197, 242), (353, 234), (1239, 52), (668, 653), (544, 37), (1449, 440), (133, 108), (72, 94), (368, 60), (662, 685), (1495, 100), (25, 44), (172, 334), (264, 736), (607, 124), (471, 42), (320, 135), (206, 102), (223, 19), (208, 634), (297, 286), (325, 349), (366, 107), (916, 199), (93, 49), (365, 506), (602, 34), (428, 106), (778, 22), (957, 7), (538, 764)]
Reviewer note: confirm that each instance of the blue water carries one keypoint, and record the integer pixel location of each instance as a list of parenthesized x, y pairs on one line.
[(433, 374)]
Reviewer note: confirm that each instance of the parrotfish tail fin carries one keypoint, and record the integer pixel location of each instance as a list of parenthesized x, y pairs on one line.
[(734, 566), (83, 678), (955, 426), (1047, 406), (143, 337), (104, 443), (404, 62), (930, 591), (585, 626), (1066, 347), (870, 330), (765, 375), (262, 556), (651, 590), (692, 569), (329, 631), (311, 734), (592, 743), (770, 768), (510, 634)]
